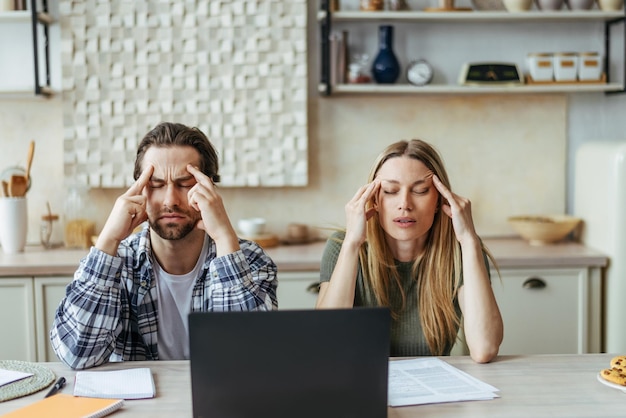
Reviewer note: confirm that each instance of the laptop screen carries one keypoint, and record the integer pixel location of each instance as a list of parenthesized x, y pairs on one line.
[(308, 363)]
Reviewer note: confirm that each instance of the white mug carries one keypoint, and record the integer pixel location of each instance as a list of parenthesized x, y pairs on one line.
[(13, 224)]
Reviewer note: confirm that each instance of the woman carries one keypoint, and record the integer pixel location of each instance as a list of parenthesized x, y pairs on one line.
[(410, 244)]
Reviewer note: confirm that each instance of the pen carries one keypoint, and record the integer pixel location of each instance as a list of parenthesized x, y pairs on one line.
[(57, 387)]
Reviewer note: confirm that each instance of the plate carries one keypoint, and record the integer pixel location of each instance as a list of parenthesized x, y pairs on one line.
[(611, 384)]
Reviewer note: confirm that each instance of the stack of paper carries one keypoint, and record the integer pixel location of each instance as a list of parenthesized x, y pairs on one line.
[(431, 380), (10, 376), (119, 384)]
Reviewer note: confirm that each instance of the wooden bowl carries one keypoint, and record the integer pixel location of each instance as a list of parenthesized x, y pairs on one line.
[(543, 229)]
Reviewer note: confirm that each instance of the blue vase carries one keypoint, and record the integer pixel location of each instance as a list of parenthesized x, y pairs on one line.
[(386, 67)]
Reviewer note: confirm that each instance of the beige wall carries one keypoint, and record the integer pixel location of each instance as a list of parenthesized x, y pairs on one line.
[(506, 153)]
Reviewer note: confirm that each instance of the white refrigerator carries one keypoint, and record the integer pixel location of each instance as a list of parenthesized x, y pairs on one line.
[(600, 200)]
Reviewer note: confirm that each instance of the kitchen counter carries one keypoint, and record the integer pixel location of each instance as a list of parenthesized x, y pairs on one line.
[(517, 253), (508, 252)]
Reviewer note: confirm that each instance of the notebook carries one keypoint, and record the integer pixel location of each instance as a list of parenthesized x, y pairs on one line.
[(305, 364), (135, 383), (63, 405)]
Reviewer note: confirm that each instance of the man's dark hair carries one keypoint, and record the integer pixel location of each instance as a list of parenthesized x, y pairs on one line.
[(167, 134)]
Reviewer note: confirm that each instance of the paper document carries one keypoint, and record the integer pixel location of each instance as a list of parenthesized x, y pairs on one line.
[(10, 376), (118, 384), (431, 380)]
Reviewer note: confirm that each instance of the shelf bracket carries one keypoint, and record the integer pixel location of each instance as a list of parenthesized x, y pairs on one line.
[(324, 22), (41, 18), (608, 25)]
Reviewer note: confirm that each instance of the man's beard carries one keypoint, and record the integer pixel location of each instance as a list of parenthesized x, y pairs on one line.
[(174, 231)]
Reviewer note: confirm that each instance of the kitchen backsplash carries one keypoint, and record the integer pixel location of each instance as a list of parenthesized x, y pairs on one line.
[(506, 153)]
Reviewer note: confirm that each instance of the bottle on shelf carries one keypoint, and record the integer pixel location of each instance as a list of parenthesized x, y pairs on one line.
[(19, 4)]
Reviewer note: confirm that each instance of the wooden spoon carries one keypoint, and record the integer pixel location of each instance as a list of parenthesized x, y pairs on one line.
[(29, 160), (18, 185)]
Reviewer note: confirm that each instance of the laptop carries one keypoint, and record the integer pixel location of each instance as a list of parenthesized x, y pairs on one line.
[(291, 363)]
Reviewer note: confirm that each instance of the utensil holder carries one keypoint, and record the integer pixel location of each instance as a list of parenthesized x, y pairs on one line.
[(13, 224)]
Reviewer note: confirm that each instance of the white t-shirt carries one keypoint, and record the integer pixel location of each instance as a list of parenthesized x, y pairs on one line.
[(174, 302)]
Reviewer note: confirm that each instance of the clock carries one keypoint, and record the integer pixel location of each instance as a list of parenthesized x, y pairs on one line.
[(419, 72), (490, 73)]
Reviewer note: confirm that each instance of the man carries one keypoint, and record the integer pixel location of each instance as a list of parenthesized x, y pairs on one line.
[(131, 294)]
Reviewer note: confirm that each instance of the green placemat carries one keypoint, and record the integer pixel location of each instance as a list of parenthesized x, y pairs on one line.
[(41, 378)]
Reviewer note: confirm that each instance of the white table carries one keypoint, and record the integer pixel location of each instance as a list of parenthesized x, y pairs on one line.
[(530, 386)]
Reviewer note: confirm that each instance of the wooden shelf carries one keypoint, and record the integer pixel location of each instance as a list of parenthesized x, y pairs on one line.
[(328, 19), (15, 16), (24, 16), (42, 23), (458, 89), (475, 16)]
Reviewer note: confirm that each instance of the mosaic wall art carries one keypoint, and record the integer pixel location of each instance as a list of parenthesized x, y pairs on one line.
[(236, 69)]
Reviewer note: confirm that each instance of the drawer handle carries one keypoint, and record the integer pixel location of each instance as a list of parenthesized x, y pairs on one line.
[(313, 288), (534, 283)]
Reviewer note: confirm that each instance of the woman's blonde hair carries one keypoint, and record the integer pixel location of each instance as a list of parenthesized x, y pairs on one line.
[(438, 269)]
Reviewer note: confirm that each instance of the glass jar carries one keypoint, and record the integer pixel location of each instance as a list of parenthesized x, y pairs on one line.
[(397, 5), (354, 72), (371, 5), (46, 229), (79, 226)]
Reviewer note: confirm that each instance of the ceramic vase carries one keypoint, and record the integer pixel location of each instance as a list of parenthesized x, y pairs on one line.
[(385, 68), (579, 4), (549, 4)]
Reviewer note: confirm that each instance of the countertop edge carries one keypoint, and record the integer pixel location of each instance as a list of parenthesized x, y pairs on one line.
[(508, 253)]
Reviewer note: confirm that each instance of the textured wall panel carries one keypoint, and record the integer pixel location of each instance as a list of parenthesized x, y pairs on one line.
[(236, 69)]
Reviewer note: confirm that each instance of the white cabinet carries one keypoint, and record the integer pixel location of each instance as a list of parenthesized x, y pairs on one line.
[(25, 52), (18, 322), (549, 311), (48, 294), (27, 307), (297, 290), (545, 310)]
